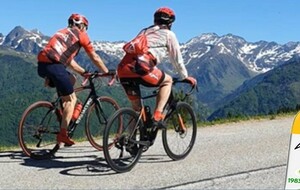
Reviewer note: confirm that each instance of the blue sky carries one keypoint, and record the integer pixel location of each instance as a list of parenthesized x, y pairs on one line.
[(115, 20)]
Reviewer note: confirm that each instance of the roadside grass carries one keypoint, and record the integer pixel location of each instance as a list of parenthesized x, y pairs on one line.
[(199, 124), (244, 118), (8, 148)]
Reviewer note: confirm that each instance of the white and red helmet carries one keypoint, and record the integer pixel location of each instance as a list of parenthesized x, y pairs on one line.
[(77, 19), (164, 15)]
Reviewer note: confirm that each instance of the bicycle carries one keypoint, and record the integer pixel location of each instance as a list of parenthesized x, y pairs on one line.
[(132, 133), (40, 122)]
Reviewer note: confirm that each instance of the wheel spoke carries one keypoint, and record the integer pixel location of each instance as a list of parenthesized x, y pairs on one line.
[(179, 138), (38, 128), (124, 130)]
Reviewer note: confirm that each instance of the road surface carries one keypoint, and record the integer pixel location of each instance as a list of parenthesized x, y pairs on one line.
[(243, 155)]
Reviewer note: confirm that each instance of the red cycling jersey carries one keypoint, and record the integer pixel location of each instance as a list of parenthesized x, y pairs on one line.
[(65, 45)]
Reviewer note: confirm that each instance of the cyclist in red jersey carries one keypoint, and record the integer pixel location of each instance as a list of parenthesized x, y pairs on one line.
[(59, 54), (161, 41)]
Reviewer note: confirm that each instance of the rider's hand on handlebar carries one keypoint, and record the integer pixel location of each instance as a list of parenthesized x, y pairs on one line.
[(191, 80), (112, 71), (86, 74)]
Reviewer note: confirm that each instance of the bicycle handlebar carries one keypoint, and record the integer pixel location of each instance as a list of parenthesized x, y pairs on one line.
[(176, 80), (96, 74), (193, 87)]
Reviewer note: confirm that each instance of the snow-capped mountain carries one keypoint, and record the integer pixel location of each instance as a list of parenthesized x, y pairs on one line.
[(258, 56), (23, 40), (32, 41), (110, 48), (219, 63)]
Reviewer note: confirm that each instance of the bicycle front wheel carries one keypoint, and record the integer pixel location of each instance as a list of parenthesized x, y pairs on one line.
[(97, 118), (38, 127), (180, 135), (123, 132)]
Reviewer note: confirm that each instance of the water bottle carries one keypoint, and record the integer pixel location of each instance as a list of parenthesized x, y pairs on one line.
[(77, 111)]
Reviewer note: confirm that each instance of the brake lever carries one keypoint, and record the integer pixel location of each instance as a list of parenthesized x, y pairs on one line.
[(111, 82), (86, 77), (84, 81)]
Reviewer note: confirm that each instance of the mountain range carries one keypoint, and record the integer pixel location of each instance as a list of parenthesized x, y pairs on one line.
[(222, 65)]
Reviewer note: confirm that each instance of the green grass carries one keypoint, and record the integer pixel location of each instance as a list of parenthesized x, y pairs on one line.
[(9, 148), (244, 118)]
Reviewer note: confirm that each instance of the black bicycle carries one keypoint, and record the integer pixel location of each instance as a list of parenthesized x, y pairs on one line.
[(132, 133), (40, 122)]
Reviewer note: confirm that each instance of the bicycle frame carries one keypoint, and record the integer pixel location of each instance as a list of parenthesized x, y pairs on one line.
[(168, 108), (41, 121), (138, 132), (92, 97), (171, 102)]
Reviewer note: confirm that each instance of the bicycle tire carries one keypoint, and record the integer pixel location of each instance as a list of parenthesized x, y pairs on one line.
[(95, 123), (37, 130), (125, 153), (177, 142)]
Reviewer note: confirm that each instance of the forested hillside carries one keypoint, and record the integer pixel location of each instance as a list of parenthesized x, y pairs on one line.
[(224, 66), (20, 86), (275, 91)]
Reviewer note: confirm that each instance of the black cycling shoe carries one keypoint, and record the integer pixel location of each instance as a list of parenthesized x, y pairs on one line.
[(158, 124)]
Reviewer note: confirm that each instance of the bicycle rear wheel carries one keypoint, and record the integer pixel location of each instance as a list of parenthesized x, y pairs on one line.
[(38, 127), (180, 135), (97, 119), (126, 150)]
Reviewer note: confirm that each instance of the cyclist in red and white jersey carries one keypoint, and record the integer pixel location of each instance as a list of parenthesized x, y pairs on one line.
[(59, 54), (161, 41)]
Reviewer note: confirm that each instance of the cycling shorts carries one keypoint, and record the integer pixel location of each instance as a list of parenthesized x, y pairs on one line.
[(57, 74), (131, 80)]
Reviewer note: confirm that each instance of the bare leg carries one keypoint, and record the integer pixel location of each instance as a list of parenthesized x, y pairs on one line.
[(68, 104), (164, 93)]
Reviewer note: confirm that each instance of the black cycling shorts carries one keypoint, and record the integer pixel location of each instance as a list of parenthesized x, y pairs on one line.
[(132, 86), (58, 74)]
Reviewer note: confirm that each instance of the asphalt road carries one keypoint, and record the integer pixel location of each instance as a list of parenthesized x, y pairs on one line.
[(243, 155)]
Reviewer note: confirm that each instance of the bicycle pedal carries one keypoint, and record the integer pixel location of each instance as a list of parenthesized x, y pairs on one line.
[(145, 148)]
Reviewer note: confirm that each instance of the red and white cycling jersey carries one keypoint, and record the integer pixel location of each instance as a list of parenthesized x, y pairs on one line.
[(163, 42), (64, 46)]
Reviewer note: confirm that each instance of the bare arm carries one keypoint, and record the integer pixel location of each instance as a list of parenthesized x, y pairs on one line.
[(98, 61), (76, 67)]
